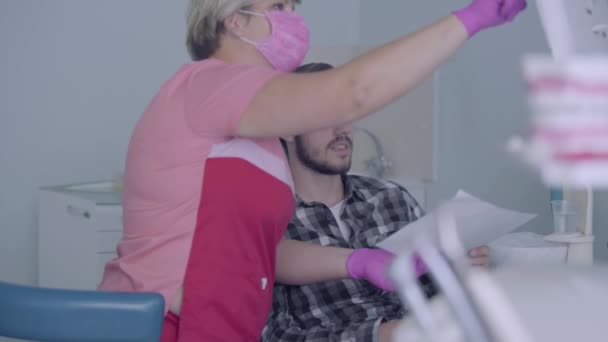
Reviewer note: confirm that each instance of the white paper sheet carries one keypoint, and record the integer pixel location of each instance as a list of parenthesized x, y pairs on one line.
[(478, 223)]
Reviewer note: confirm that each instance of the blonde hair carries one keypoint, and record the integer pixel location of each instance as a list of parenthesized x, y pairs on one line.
[(205, 25)]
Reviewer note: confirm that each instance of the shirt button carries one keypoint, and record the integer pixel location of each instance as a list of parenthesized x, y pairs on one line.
[(264, 283)]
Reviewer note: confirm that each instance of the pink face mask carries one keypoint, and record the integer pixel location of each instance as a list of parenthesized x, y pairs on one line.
[(288, 43)]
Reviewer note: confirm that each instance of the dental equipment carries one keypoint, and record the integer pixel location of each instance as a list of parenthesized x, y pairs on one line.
[(569, 148), (568, 94), (517, 304), (379, 165)]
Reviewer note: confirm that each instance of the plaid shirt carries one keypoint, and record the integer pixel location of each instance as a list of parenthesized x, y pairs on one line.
[(347, 309)]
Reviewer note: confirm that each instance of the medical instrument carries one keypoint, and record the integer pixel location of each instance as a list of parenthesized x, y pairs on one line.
[(568, 97), (512, 304)]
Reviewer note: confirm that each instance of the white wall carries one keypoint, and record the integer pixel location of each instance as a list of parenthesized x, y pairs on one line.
[(333, 22)]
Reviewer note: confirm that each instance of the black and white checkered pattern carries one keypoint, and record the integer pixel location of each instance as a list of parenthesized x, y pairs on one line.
[(342, 310)]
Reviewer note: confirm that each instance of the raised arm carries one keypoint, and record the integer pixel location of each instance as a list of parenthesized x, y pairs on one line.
[(294, 104)]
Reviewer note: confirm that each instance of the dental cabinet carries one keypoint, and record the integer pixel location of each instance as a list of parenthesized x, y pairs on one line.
[(78, 229)]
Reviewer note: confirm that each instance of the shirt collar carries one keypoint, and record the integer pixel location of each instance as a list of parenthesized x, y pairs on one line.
[(350, 191)]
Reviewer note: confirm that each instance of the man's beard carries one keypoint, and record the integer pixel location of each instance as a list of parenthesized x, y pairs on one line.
[(307, 160)]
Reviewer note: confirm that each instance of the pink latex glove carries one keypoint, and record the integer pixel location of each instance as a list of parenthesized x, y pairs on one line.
[(481, 14), (372, 265)]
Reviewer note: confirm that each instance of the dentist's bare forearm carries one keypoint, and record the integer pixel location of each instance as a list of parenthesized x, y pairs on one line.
[(300, 263)]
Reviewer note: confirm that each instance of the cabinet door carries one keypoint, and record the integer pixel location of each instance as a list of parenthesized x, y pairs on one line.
[(107, 241), (102, 260), (108, 232), (66, 242), (108, 218)]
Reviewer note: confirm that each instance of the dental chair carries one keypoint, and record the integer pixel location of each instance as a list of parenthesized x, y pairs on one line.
[(42, 314)]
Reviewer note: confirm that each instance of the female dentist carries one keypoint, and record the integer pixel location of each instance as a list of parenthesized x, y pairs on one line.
[(208, 192)]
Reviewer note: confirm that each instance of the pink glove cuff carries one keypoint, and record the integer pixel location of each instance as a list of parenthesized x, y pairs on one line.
[(355, 263), (482, 14), (470, 20), (358, 260)]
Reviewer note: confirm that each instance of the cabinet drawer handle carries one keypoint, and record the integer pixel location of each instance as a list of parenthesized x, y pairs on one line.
[(74, 211)]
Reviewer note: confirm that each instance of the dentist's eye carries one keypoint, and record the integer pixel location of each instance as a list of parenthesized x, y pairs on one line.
[(280, 6)]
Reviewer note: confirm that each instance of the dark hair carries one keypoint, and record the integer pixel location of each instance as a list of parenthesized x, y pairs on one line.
[(304, 69)]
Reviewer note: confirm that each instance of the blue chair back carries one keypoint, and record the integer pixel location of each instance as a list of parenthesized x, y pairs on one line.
[(42, 314)]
